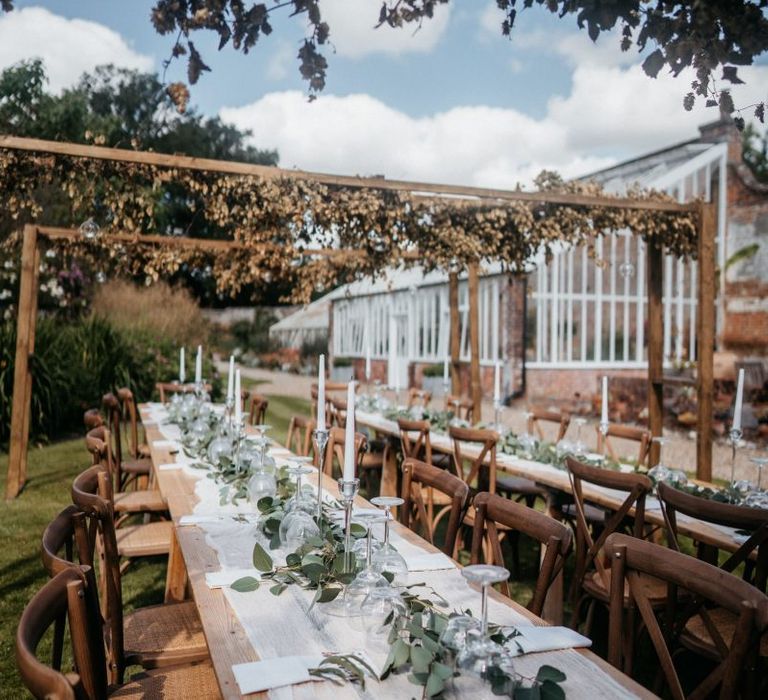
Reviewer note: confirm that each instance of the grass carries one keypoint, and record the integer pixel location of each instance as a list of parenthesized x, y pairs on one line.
[(22, 521)]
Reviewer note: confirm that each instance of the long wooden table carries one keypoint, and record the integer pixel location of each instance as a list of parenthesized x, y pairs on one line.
[(548, 476), (191, 558)]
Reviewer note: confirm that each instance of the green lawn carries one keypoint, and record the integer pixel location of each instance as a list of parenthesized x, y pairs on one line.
[(51, 471)]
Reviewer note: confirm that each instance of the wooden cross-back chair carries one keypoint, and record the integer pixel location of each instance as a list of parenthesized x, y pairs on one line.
[(624, 432), (70, 594), (462, 407), (633, 561), (419, 397), (133, 541), (537, 416), (299, 437), (334, 450), (258, 411), (421, 481), (153, 636), (338, 410), (128, 470), (138, 450), (92, 418), (492, 511), (592, 576), (98, 443), (166, 389), (751, 556)]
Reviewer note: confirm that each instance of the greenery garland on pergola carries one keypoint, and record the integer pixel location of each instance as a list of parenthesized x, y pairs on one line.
[(310, 230)]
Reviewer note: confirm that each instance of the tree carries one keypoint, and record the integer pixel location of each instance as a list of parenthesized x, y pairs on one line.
[(755, 152)]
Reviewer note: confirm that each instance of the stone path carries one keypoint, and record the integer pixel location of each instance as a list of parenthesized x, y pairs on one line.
[(679, 451)]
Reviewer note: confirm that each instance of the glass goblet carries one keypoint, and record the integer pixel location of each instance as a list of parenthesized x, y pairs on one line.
[(660, 472), (366, 580), (387, 559), (300, 500), (454, 636), (760, 463), (481, 652), (579, 447), (378, 611), (298, 525)]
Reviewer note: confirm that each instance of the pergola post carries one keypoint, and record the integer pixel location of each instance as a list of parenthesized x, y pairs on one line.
[(455, 336), (22, 376), (474, 341), (655, 347), (707, 227)]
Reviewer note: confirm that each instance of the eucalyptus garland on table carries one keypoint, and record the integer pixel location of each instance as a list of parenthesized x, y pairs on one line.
[(320, 565)]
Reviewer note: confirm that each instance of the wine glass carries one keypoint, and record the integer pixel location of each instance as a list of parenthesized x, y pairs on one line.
[(579, 447), (298, 525), (387, 558), (526, 440), (660, 472), (379, 609), (454, 636), (480, 652), (300, 499), (759, 462), (366, 580)]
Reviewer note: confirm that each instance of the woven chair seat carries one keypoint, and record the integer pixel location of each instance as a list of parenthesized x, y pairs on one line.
[(163, 635), (144, 540), (137, 466), (139, 502), (518, 485), (696, 637), (655, 589), (198, 681)]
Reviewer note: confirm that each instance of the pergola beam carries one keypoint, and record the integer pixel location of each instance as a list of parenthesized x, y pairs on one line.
[(356, 182)]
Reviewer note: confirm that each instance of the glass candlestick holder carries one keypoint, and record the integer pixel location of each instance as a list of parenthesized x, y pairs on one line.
[(321, 438), (348, 491)]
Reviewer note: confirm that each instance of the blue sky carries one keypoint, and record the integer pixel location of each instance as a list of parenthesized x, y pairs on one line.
[(455, 102)]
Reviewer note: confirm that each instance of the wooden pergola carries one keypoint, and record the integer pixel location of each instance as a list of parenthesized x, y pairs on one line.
[(704, 213)]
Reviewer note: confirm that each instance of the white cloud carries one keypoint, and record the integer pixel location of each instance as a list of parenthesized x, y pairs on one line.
[(280, 61), (490, 19), (354, 35), (67, 46)]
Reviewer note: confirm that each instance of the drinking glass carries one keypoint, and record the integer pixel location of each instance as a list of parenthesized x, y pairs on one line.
[(300, 499), (386, 558), (380, 607), (660, 472), (298, 525), (579, 447), (527, 441), (366, 580), (454, 636), (759, 462), (480, 652)]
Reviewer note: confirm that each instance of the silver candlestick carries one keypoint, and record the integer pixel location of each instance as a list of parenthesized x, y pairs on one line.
[(321, 437), (734, 435), (497, 413), (348, 490)]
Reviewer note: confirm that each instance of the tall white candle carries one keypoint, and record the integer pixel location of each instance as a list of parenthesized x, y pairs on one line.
[(604, 412), (238, 399), (231, 380), (368, 362), (497, 383), (321, 393), (739, 400), (199, 365), (182, 368), (446, 369), (349, 437)]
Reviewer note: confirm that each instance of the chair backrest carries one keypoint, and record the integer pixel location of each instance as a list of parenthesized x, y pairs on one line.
[(556, 537), (414, 439), (99, 443), (631, 558), (338, 412), (753, 520), (461, 406), (131, 417), (479, 473), (92, 494), (65, 545), (111, 407), (420, 480), (588, 549), (299, 438), (537, 416), (624, 432), (419, 397), (66, 595), (166, 389), (258, 411), (335, 449), (92, 418)]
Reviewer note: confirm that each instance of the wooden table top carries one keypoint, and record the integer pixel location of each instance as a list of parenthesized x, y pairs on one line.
[(229, 644), (557, 479)]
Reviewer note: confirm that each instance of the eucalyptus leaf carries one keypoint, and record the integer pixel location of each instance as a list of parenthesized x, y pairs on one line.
[(550, 690), (550, 673), (261, 560), (245, 584)]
